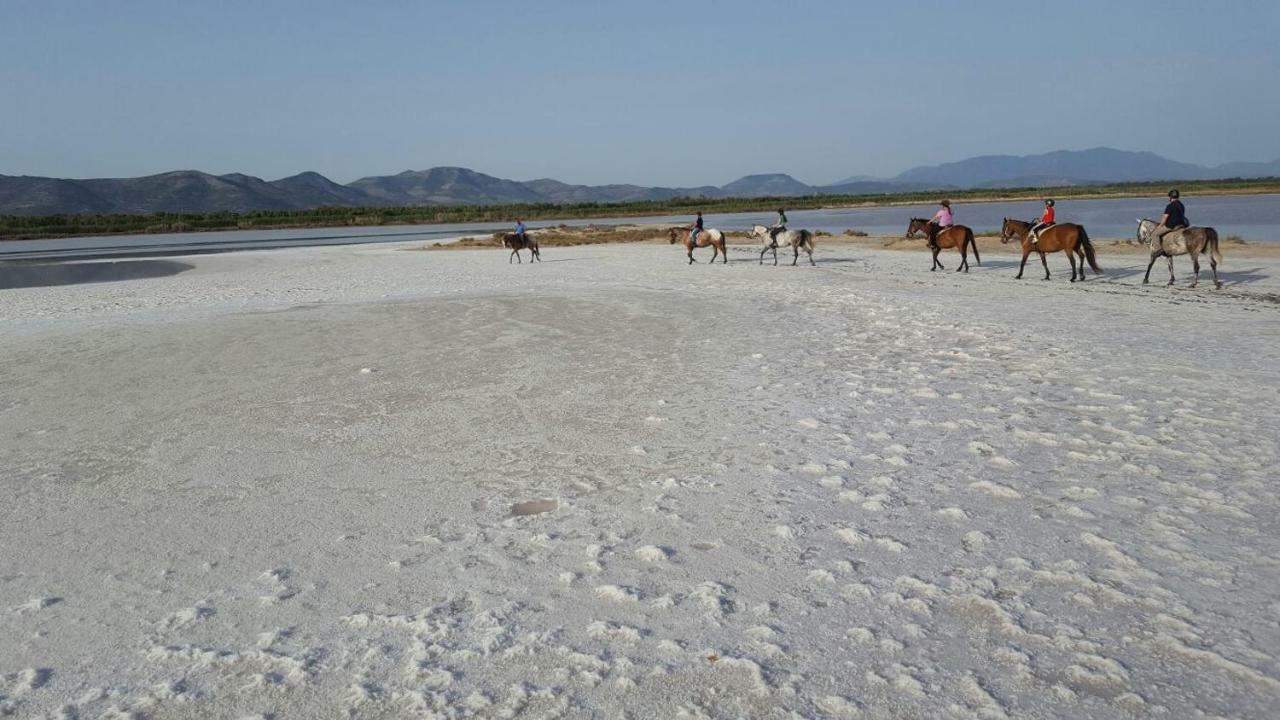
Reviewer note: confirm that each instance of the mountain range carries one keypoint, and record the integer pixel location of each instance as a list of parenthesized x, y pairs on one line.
[(190, 191)]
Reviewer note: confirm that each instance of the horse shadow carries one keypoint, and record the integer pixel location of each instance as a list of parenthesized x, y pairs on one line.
[(1239, 277), (30, 274)]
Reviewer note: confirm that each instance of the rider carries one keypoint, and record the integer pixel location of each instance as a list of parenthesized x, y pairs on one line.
[(940, 221), (695, 229), (779, 226), (520, 231), (1174, 217), (1046, 220)]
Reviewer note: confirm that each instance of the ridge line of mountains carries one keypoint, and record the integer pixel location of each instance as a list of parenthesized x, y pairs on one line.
[(190, 191)]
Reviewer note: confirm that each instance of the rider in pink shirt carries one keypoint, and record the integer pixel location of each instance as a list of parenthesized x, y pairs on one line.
[(941, 220)]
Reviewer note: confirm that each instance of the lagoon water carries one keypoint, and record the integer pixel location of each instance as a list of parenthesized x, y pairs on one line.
[(1256, 218)]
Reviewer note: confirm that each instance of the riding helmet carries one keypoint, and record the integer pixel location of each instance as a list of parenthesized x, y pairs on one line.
[(1049, 203), (1174, 194)]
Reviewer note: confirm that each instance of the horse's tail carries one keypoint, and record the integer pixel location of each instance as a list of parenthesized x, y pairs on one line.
[(1211, 242), (973, 243), (1088, 250), (808, 238)]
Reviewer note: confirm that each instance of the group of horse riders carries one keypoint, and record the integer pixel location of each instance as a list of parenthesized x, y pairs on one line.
[(1174, 218)]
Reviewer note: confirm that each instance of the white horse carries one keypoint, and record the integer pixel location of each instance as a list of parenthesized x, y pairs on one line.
[(1187, 241), (795, 238)]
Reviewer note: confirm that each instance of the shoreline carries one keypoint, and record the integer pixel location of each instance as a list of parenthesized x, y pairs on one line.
[(481, 214)]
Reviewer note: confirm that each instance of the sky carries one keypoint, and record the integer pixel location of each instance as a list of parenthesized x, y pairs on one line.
[(654, 93)]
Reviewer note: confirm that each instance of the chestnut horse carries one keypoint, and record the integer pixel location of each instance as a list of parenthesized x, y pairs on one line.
[(1188, 241), (707, 238), (530, 243), (1065, 237), (959, 237)]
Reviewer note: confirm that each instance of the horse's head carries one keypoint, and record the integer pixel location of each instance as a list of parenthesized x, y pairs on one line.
[(1145, 227), (759, 231), (916, 225), (1009, 229), (674, 233)]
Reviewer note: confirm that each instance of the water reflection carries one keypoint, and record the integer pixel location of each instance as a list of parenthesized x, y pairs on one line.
[(26, 275)]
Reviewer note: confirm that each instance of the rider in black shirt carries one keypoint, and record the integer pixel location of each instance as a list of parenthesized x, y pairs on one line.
[(1174, 217)]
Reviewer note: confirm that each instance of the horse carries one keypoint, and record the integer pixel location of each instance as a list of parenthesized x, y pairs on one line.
[(530, 243), (959, 237), (707, 238), (795, 238), (1187, 241), (1066, 237)]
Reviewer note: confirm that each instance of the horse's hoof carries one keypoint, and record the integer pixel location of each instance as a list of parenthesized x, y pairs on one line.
[(1217, 284)]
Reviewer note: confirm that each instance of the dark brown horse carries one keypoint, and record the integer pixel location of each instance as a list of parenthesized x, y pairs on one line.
[(711, 238), (959, 237), (1064, 237), (1191, 241), (530, 243)]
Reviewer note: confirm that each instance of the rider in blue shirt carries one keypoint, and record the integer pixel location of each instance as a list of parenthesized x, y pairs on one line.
[(520, 230), (696, 229)]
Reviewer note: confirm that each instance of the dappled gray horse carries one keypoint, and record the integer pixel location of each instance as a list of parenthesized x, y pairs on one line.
[(1187, 241), (797, 239)]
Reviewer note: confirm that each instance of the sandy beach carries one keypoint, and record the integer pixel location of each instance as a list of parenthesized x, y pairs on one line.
[(372, 482)]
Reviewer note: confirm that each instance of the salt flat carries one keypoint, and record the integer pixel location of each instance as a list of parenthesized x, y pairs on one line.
[(371, 483)]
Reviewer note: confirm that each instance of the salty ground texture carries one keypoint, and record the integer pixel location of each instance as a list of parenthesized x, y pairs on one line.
[(376, 483)]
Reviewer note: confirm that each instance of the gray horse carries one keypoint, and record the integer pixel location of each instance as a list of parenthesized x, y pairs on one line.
[(797, 239), (1188, 241)]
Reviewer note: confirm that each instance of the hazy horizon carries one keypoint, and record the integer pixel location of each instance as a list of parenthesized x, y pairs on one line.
[(666, 94)]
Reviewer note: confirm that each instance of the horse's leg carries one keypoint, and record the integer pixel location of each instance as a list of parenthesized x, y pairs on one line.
[(1213, 265), (964, 256), (715, 252), (1026, 252), (775, 254), (514, 253), (1080, 252), (1147, 278), (795, 249), (1045, 263), (937, 264), (1170, 269), (689, 248), (724, 253), (1195, 265), (763, 250), (1071, 258), (809, 249)]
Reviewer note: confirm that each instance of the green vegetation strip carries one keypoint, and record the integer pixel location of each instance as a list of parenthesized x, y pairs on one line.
[(18, 227)]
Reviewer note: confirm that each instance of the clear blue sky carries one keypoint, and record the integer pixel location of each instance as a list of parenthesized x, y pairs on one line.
[(654, 92)]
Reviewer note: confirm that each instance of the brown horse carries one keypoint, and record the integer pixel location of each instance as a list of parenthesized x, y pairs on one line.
[(1064, 237), (530, 243), (712, 238), (959, 237), (1190, 241)]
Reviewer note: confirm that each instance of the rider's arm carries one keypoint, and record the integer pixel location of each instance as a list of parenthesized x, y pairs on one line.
[(1164, 219)]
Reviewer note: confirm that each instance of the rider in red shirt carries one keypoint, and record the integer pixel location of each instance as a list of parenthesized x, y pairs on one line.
[(1046, 220)]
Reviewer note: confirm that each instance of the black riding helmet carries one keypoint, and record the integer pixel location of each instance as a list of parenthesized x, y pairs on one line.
[(1174, 194), (1049, 203)]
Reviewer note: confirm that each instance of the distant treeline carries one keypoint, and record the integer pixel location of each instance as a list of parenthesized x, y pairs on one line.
[(19, 227)]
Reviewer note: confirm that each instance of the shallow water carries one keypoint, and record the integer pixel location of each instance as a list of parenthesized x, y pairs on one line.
[(1256, 218)]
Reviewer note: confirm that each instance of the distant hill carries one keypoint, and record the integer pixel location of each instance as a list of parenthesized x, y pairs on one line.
[(191, 191), (1075, 167), (767, 185)]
